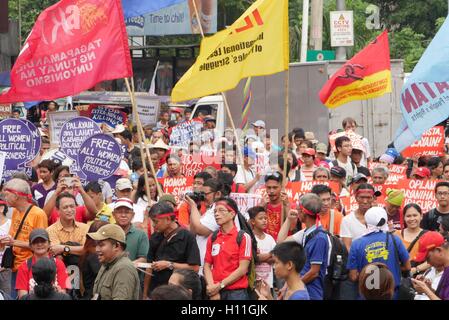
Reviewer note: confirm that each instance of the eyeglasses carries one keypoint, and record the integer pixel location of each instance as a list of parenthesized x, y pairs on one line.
[(274, 176), (442, 193)]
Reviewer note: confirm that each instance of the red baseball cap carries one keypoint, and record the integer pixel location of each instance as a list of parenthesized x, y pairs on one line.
[(423, 172), (309, 151), (429, 241)]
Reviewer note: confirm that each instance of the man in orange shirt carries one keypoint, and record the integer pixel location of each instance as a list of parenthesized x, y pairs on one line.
[(327, 214), (184, 208), (18, 195)]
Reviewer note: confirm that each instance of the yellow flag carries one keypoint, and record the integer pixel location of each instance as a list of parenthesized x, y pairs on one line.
[(256, 44)]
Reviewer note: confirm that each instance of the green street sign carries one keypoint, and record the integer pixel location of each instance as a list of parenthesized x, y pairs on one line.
[(320, 55)]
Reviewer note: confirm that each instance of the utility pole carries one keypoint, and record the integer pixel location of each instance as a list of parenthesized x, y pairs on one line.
[(341, 51), (305, 30), (20, 24), (316, 38)]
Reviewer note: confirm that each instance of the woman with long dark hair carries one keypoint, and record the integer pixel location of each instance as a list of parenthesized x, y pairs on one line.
[(44, 274), (140, 198), (411, 234)]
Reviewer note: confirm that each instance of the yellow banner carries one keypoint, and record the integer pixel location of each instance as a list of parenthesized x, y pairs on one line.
[(372, 86), (256, 44)]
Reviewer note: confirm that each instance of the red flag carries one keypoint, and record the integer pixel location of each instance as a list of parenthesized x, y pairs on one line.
[(367, 75), (74, 45)]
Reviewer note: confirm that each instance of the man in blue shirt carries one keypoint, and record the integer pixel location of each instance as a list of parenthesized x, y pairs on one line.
[(316, 244), (377, 246)]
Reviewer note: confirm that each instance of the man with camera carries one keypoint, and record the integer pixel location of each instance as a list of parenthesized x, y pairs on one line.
[(197, 196)]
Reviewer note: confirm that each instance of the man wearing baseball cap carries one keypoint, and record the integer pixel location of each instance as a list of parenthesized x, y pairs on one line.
[(259, 127), (117, 278), (421, 173), (378, 246), (137, 244), (307, 169), (434, 249)]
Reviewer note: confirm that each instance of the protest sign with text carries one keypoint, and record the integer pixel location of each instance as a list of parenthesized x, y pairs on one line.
[(2, 164), (177, 186), (110, 115), (295, 190), (72, 46), (430, 144), (19, 141), (56, 120), (184, 133), (99, 156), (148, 109), (421, 192), (5, 111), (246, 201), (193, 164)]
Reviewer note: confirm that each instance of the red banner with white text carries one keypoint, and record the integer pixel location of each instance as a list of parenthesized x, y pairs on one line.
[(73, 45)]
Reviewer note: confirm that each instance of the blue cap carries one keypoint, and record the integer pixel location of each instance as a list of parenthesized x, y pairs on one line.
[(392, 152), (248, 152)]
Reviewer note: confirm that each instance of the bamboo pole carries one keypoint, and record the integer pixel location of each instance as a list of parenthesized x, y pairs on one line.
[(228, 110), (287, 115), (142, 142), (142, 155)]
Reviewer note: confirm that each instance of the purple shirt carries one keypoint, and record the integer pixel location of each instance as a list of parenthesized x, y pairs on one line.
[(40, 193), (443, 286)]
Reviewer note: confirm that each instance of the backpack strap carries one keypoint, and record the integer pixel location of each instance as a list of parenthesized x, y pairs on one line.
[(240, 237), (311, 235), (396, 252), (23, 220), (215, 235), (412, 244)]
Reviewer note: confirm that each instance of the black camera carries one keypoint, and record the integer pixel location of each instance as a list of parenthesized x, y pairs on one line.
[(197, 196)]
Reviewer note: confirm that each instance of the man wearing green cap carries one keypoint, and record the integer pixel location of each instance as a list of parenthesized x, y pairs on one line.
[(393, 203), (117, 278)]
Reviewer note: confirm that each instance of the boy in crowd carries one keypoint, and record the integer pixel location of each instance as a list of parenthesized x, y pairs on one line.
[(289, 260), (265, 244)]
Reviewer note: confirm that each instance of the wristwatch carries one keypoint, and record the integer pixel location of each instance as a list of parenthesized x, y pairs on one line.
[(222, 285), (171, 266), (66, 251)]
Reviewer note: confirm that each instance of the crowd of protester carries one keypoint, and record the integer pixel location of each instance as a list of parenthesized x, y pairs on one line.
[(65, 238)]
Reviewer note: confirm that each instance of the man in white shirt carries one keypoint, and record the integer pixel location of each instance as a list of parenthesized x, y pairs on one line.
[(245, 174), (344, 149)]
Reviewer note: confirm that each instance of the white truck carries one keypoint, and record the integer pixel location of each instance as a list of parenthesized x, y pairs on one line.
[(377, 118)]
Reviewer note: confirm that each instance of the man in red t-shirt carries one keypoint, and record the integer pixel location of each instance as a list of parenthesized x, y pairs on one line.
[(276, 200), (40, 245), (227, 260)]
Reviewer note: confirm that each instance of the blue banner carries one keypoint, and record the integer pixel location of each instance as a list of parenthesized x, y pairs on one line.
[(425, 96), (174, 20), (134, 8)]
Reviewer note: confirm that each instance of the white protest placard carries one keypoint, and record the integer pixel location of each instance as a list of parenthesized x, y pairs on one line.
[(184, 133), (246, 201), (56, 121), (342, 28), (5, 111), (2, 163), (148, 110)]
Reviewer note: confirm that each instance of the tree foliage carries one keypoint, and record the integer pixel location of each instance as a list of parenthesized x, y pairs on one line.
[(412, 24)]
